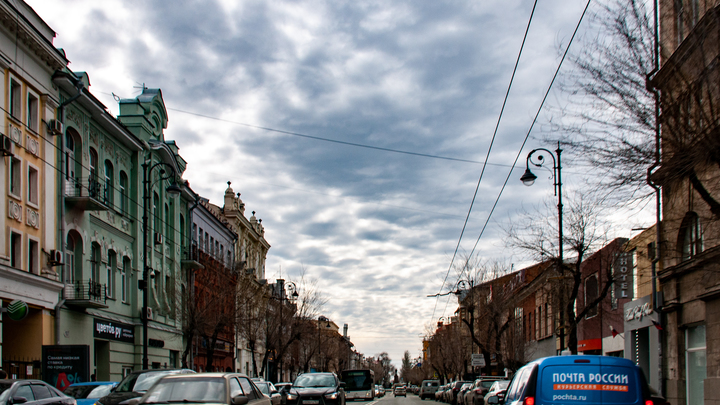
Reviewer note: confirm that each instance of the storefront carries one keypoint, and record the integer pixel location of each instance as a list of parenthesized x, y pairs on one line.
[(642, 338)]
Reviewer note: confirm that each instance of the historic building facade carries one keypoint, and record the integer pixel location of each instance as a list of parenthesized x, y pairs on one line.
[(28, 173), (689, 86)]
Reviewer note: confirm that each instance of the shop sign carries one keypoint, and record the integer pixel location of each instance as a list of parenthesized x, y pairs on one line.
[(63, 365), (17, 310), (638, 312), (156, 343), (114, 331), (623, 275)]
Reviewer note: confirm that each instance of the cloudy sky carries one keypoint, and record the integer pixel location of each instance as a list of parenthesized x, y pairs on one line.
[(355, 129)]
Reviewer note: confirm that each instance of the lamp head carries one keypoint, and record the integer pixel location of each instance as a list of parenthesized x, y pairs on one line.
[(174, 190), (528, 178)]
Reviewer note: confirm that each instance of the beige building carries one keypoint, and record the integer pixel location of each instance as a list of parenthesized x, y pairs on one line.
[(28, 175)]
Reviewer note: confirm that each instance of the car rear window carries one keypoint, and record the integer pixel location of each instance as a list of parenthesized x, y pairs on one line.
[(590, 384)]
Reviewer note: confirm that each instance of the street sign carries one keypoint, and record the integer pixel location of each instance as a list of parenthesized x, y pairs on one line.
[(477, 360)]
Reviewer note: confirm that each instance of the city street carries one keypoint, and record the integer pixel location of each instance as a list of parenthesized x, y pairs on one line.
[(390, 399)]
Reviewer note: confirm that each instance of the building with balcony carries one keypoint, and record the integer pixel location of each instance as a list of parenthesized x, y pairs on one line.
[(28, 172)]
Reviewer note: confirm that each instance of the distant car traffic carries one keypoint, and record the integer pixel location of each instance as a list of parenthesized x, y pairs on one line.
[(497, 389), (399, 390), (87, 393), (316, 389), (267, 388)]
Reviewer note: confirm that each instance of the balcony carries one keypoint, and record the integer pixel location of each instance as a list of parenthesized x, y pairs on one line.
[(86, 294), (87, 194), (191, 257)]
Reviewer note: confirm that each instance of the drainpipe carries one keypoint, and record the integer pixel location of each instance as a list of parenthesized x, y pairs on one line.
[(191, 272), (658, 196), (61, 115)]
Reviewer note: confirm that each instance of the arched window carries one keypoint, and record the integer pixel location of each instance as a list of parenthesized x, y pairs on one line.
[(124, 279), (690, 238), (123, 192), (72, 267), (109, 187)]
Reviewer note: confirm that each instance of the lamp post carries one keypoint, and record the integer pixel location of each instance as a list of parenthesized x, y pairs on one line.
[(528, 178), (288, 292), (172, 190)]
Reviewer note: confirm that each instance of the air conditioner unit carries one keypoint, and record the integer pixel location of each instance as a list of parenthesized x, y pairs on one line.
[(56, 258), (148, 314), (6, 145), (158, 238), (55, 127)]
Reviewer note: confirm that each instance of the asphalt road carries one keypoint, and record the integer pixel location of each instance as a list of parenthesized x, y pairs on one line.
[(390, 399)]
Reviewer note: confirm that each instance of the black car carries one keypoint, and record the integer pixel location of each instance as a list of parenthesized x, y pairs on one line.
[(32, 392), (135, 384), (316, 389)]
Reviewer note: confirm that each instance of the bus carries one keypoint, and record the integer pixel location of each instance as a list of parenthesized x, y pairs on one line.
[(359, 384)]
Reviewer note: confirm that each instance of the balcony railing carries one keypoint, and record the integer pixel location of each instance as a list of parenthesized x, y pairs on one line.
[(87, 193), (87, 294)]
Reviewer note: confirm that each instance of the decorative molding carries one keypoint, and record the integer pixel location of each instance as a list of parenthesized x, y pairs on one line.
[(125, 225), (15, 133), (75, 117), (33, 218), (15, 211), (94, 138), (32, 146)]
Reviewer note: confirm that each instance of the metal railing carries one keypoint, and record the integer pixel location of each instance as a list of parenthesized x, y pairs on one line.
[(86, 291), (86, 187)]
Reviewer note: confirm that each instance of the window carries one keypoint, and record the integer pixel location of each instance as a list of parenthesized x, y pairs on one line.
[(182, 230), (33, 107), (16, 177), (33, 256), (93, 184), (33, 189), (124, 272), (156, 214), (95, 263), (696, 361), (123, 192), (591, 294), (247, 388), (207, 238), (109, 188), (15, 249), (168, 232), (691, 243), (111, 273), (15, 99)]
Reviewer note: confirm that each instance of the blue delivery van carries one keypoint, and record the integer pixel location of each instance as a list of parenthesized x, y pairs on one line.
[(578, 380)]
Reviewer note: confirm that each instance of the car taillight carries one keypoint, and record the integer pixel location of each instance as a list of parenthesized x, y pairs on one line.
[(530, 401), (648, 402)]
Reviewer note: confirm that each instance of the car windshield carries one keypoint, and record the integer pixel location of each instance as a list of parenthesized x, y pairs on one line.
[(100, 391), (183, 390), (78, 391), (315, 380), (140, 382), (264, 388)]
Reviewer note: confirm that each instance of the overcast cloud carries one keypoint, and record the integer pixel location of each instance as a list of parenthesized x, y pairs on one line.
[(377, 229)]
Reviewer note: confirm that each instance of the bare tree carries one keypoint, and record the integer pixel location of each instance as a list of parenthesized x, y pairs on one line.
[(606, 116), (584, 234)]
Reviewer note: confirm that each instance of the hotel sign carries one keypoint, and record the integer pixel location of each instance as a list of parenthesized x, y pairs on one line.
[(623, 272)]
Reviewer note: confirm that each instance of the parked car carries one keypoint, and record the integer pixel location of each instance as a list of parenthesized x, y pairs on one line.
[(87, 393), (283, 388), (315, 389), (453, 390), (205, 388), (267, 388), (497, 389), (382, 391), (32, 392), (428, 388), (480, 388), (399, 390), (135, 384), (461, 394), (581, 379)]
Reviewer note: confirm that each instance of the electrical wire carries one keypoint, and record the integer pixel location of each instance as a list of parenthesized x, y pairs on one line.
[(527, 135), (497, 125)]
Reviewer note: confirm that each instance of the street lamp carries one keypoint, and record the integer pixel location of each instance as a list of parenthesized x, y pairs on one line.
[(287, 292), (173, 190), (528, 178)]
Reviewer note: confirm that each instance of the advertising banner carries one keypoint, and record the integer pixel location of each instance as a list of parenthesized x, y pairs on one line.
[(63, 365), (114, 331)]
